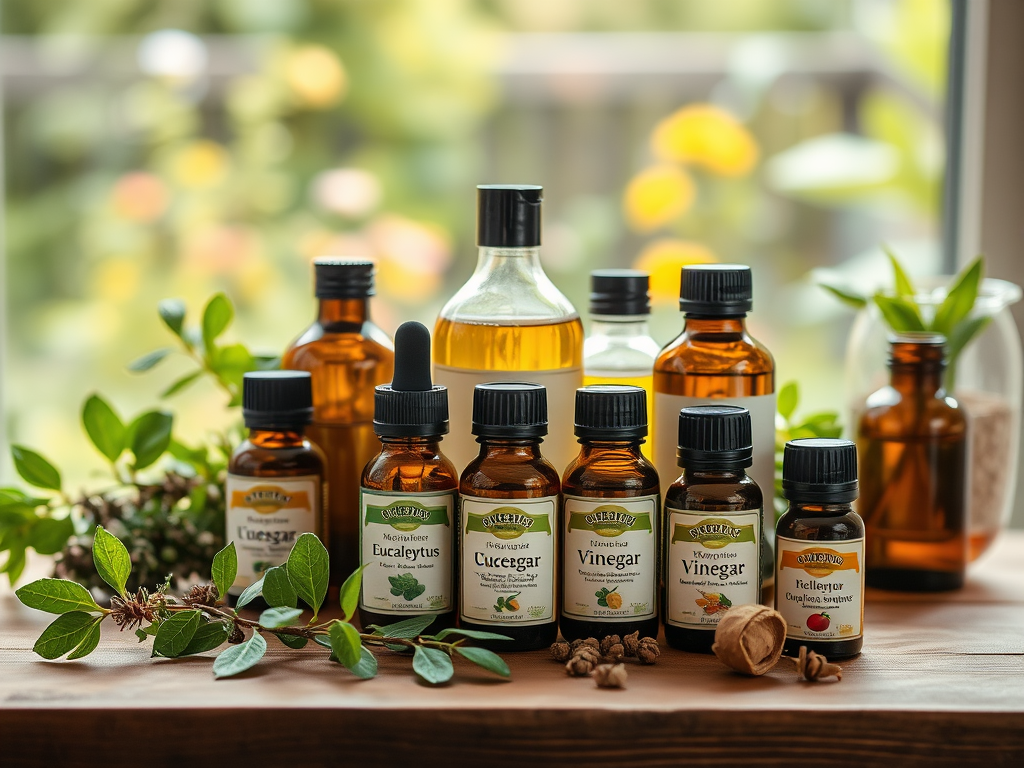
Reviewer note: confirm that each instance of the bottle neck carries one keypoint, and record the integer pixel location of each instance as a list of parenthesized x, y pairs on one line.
[(619, 326), (702, 476), (919, 379), (277, 438), (593, 450), (704, 324), (804, 509), (507, 448), (343, 311), (431, 444)]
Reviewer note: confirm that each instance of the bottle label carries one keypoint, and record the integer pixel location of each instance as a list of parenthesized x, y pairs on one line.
[(508, 560), (610, 558), (264, 518), (560, 445), (406, 545), (819, 588), (714, 564)]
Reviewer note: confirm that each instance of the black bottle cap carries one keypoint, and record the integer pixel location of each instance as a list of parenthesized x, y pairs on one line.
[(508, 215), (715, 437), (716, 290), (515, 409), (277, 400), (619, 292), (343, 278), (411, 406), (820, 470), (611, 412)]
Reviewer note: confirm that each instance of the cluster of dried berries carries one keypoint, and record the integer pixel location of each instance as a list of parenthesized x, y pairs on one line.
[(812, 666), (581, 657), (137, 608)]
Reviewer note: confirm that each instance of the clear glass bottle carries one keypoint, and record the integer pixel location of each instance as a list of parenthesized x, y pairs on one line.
[(912, 446), (619, 349), (408, 496), (508, 527), (713, 514), (347, 356), (508, 323), (276, 487), (610, 520), (819, 574), (714, 361)]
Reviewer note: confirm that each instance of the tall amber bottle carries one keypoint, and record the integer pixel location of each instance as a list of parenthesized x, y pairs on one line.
[(610, 519), (508, 526), (714, 361), (347, 356), (913, 462), (509, 323)]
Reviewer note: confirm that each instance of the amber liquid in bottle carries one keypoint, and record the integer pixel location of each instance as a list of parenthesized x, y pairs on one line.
[(913, 461), (347, 356)]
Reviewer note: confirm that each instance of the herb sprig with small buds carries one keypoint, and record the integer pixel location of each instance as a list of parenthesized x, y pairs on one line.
[(200, 621)]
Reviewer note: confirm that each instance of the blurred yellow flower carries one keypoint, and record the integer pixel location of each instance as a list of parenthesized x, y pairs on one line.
[(117, 280), (139, 196), (663, 260), (706, 136), (658, 195), (412, 257), (316, 76), (201, 163)]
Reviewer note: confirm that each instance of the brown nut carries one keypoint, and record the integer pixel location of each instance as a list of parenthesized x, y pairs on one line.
[(749, 638)]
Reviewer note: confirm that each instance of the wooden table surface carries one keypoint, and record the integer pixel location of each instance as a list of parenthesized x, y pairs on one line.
[(940, 682)]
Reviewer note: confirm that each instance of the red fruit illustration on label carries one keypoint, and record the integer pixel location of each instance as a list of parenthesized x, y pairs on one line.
[(818, 622)]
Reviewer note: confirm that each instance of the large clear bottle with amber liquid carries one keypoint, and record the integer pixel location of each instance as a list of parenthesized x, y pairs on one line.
[(347, 356), (509, 323), (912, 448)]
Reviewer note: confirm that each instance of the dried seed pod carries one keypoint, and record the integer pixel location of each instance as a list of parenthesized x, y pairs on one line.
[(560, 651), (615, 653), (576, 643), (578, 666), (586, 652), (610, 676), (593, 642), (608, 642), (812, 666), (631, 643), (749, 638), (648, 651), (237, 635)]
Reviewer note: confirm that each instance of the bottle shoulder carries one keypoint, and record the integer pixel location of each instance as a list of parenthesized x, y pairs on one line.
[(725, 496), (609, 353), (410, 471), (511, 289), (706, 353), (509, 479), (635, 476), (819, 527), (253, 461), (317, 346), (890, 414)]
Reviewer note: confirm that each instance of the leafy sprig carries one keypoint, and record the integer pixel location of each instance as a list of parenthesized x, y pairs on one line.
[(790, 427), (200, 621)]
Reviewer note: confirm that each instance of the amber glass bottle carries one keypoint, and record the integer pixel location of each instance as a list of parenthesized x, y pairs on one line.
[(610, 522), (712, 526), (408, 496), (275, 486), (508, 527), (347, 356), (714, 361), (913, 473), (819, 581)]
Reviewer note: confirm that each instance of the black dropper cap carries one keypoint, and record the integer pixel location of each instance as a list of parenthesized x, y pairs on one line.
[(513, 409), (715, 437), (716, 290), (411, 406), (818, 470), (508, 215), (277, 400), (343, 278), (611, 412), (619, 292)]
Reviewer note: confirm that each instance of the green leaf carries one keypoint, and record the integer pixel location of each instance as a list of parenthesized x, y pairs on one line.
[(963, 333), (308, 570), (172, 312), (56, 596), (181, 384), (217, 317), (250, 593), (104, 427), (15, 564), (147, 361), (960, 300), (847, 297), (277, 589), (789, 396), (349, 595), (272, 618), (292, 641), (239, 658), (406, 629), (49, 534), (345, 643), (432, 665), (366, 667), (149, 436), (901, 314), (224, 569), (175, 634), (489, 660), (901, 280), (473, 634), (89, 643), (112, 561), (266, 362), (207, 637), (34, 469), (64, 634)]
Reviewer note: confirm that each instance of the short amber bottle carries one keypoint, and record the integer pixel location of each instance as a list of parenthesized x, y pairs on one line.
[(275, 485), (347, 356), (610, 520), (508, 527), (913, 473), (712, 526), (408, 496), (819, 573)]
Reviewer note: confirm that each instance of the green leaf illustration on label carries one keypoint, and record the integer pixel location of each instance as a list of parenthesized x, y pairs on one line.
[(713, 533), (406, 586), (610, 520), (508, 523)]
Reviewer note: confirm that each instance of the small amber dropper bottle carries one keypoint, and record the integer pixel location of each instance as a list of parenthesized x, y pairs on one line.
[(408, 496)]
